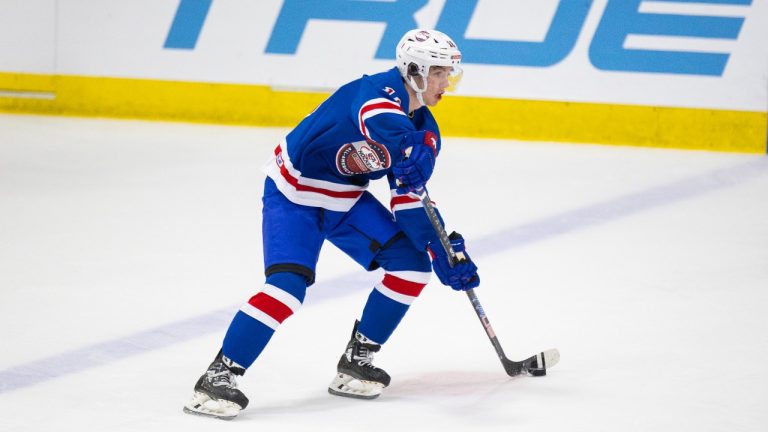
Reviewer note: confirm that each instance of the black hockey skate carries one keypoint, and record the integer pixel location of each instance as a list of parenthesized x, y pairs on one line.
[(356, 376), (216, 394)]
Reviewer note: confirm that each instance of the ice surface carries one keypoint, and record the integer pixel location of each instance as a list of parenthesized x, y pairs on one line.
[(126, 246)]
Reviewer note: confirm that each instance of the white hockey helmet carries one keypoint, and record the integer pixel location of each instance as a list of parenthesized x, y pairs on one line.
[(420, 49)]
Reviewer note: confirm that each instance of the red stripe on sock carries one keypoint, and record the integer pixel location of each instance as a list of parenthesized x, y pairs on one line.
[(271, 306), (402, 286)]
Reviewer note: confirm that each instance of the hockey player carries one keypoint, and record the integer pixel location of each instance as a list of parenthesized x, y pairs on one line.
[(315, 190)]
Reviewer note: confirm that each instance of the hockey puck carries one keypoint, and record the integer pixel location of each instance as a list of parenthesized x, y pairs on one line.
[(538, 372)]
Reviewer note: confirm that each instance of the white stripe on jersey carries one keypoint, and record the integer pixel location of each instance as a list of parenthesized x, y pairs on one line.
[(315, 183), (308, 191)]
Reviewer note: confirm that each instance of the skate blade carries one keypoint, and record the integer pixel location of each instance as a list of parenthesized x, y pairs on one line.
[(202, 405), (349, 386)]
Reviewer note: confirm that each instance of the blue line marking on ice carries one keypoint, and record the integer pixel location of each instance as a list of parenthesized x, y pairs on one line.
[(110, 351), (104, 353), (619, 207)]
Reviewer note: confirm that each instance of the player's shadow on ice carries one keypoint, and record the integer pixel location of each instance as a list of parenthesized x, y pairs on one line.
[(443, 385), (447, 384)]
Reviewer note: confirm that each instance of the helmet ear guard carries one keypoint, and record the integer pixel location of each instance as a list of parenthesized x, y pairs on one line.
[(414, 73), (413, 69)]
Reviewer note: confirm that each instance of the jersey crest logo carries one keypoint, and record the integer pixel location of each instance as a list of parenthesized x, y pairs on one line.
[(362, 157)]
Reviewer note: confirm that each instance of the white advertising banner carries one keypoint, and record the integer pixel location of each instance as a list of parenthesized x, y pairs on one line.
[(676, 53)]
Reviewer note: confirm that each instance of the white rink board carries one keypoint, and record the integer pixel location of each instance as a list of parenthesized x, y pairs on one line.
[(236, 41), (28, 36)]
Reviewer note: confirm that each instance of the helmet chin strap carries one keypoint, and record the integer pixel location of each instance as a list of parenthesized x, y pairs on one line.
[(420, 97), (419, 91)]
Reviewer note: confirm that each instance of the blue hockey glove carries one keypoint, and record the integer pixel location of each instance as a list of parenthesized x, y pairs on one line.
[(463, 275), (412, 173)]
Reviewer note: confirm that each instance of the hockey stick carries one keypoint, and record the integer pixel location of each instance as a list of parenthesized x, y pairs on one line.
[(535, 365)]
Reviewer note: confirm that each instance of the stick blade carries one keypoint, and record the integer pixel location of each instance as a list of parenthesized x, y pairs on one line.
[(551, 357), (535, 365)]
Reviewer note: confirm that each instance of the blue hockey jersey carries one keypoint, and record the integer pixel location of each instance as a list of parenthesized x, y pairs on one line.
[(353, 137)]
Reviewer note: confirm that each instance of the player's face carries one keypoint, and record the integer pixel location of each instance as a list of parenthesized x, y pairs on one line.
[(436, 84)]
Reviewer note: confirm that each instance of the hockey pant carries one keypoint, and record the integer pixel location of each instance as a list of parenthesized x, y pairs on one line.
[(293, 235)]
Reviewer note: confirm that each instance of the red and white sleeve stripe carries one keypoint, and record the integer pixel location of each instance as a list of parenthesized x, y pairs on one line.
[(373, 108)]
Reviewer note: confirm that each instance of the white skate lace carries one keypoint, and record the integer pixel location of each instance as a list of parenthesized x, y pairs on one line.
[(222, 378), (364, 357)]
